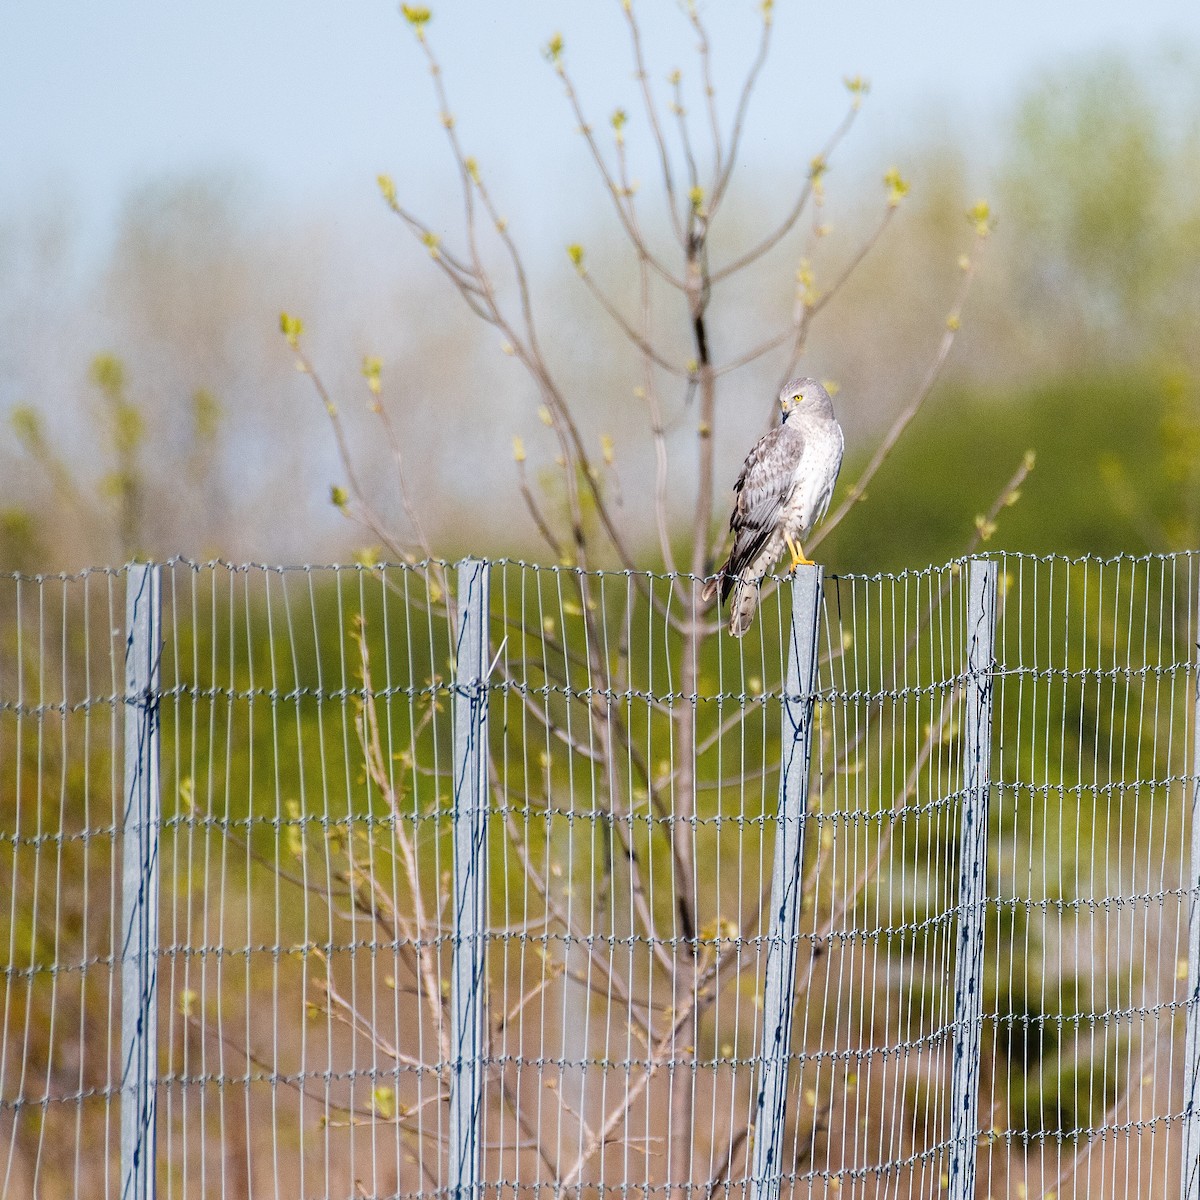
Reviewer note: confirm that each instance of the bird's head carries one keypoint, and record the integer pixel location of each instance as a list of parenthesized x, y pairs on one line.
[(806, 396)]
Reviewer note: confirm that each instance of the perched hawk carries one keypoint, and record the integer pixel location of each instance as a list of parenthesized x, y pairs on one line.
[(782, 492)]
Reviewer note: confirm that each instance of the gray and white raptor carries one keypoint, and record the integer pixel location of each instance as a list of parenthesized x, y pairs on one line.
[(783, 491)]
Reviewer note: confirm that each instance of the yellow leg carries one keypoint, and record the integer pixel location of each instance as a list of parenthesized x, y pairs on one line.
[(797, 552)]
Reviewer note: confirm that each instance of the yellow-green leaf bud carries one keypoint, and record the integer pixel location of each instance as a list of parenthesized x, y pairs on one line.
[(896, 185), (417, 15), (292, 328), (980, 215)]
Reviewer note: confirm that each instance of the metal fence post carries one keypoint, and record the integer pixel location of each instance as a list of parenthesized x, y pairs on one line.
[(1189, 1188), (968, 970), (471, 793), (779, 986), (139, 883)]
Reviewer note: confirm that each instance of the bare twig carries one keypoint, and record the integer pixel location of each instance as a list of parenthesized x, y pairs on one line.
[(785, 227), (901, 423), (628, 330), (651, 110), (808, 308), (611, 186), (685, 137), (367, 724), (739, 118), (535, 511), (1079, 1159), (704, 53)]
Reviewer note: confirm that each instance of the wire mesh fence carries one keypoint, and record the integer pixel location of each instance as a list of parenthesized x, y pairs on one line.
[(501, 880)]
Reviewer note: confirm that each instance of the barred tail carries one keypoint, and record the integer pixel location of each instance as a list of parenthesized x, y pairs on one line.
[(743, 606), (743, 585)]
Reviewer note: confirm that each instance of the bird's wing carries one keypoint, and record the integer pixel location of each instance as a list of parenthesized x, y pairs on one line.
[(761, 491)]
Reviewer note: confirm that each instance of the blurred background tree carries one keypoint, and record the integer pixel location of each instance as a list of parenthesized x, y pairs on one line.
[(1084, 315)]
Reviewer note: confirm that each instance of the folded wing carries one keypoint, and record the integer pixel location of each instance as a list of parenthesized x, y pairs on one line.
[(761, 494)]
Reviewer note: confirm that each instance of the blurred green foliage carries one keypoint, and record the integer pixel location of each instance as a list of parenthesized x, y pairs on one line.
[(1102, 178), (1117, 470)]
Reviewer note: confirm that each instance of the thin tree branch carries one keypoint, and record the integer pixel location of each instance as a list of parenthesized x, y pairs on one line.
[(535, 512), (858, 488), (785, 227), (660, 142), (739, 119), (685, 138), (367, 725), (639, 340), (611, 186), (704, 53), (809, 307)]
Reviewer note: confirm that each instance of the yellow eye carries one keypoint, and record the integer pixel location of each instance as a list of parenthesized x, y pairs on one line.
[(797, 398)]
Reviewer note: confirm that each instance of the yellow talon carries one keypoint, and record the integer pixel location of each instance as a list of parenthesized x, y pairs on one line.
[(797, 551)]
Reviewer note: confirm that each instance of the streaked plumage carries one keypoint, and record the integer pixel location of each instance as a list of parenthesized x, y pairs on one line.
[(782, 492)]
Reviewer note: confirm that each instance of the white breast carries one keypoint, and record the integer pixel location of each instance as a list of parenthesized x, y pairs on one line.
[(814, 477)]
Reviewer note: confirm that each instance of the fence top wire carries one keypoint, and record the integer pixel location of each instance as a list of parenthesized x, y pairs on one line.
[(425, 564), (850, 691)]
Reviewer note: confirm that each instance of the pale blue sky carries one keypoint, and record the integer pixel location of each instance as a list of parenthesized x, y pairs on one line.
[(316, 98)]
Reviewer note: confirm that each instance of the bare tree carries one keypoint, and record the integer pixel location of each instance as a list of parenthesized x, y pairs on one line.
[(697, 155)]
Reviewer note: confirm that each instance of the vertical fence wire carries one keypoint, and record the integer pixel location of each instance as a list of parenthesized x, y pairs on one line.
[(306, 1027), (62, 714)]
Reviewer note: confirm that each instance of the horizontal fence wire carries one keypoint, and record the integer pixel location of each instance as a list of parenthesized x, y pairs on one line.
[(308, 932)]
